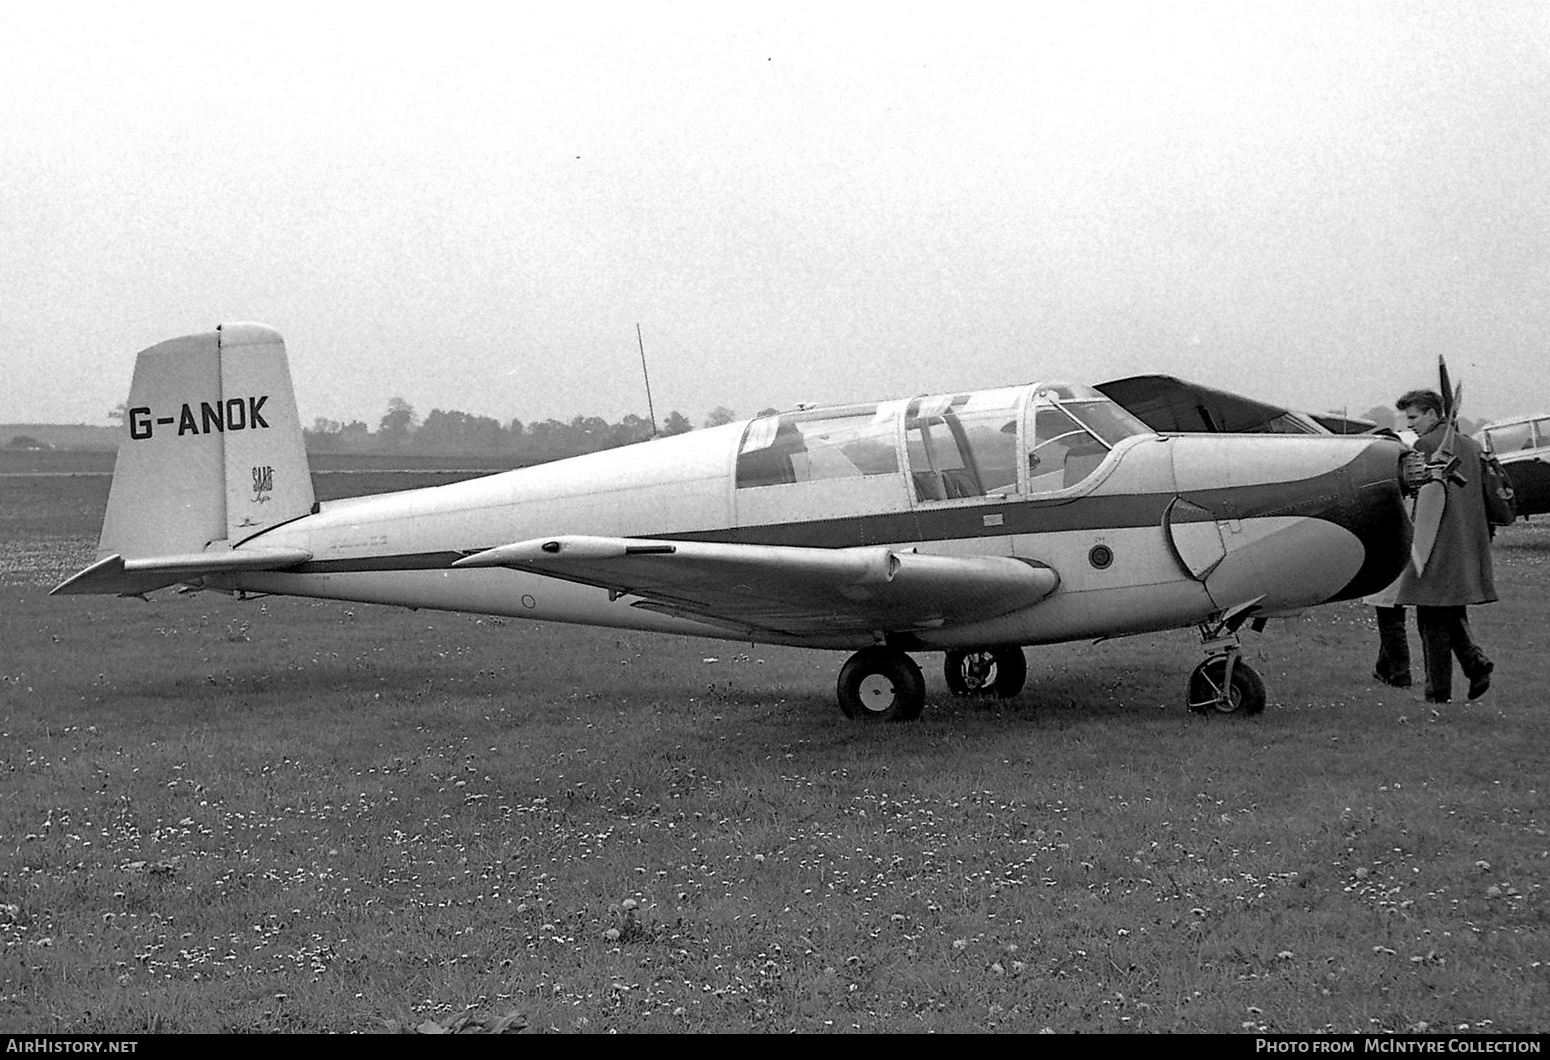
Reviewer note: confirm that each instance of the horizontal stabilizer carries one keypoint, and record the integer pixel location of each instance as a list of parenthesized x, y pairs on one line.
[(115, 574), (783, 588)]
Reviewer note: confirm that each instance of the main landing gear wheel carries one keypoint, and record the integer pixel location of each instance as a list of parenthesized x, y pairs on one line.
[(881, 684), (1209, 690), (997, 672)]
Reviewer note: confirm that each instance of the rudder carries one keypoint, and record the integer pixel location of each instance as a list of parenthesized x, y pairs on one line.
[(212, 450), (268, 478)]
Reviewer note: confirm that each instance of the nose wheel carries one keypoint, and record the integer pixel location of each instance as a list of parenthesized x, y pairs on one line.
[(998, 672), (1225, 684), (881, 684)]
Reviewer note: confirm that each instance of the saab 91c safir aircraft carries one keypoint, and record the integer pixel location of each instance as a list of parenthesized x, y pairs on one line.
[(967, 523)]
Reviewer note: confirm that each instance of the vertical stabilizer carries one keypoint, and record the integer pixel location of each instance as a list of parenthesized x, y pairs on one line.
[(168, 491), (268, 480), (212, 449)]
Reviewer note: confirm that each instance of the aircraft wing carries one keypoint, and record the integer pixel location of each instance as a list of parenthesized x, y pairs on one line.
[(1165, 403), (1169, 404), (1338, 424), (786, 589)]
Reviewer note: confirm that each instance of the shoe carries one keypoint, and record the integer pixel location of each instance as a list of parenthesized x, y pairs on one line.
[(1480, 684), (1396, 681)]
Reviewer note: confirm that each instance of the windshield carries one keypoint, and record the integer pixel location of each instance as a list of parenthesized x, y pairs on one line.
[(1511, 437), (1098, 413), (1069, 433)]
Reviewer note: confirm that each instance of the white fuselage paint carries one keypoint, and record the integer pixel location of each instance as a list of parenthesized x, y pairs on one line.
[(686, 485)]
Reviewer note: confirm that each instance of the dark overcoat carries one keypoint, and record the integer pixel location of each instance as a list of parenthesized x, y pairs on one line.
[(1460, 568)]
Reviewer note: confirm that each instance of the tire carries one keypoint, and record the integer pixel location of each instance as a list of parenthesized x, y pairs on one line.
[(1246, 697), (881, 684), (999, 672)]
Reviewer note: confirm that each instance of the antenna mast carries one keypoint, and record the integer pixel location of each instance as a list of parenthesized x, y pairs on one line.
[(650, 409)]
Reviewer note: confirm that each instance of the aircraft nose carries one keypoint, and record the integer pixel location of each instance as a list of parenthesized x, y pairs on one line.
[(1300, 520), (1376, 513)]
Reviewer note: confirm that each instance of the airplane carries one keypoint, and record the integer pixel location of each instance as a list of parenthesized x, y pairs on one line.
[(1522, 446), (972, 523)]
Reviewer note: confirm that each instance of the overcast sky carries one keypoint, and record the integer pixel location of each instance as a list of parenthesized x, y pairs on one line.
[(472, 207)]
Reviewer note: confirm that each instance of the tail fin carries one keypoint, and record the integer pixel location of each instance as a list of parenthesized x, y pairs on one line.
[(212, 456)]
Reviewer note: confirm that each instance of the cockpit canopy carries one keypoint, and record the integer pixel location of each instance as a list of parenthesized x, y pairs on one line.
[(985, 443)]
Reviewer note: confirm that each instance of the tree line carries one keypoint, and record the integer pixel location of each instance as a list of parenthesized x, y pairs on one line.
[(453, 432)]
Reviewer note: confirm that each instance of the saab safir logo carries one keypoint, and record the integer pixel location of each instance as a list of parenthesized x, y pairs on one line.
[(233, 414), (263, 484)]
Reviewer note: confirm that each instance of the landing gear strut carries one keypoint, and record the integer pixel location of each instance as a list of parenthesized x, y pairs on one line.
[(1224, 683), (998, 672), (881, 684)]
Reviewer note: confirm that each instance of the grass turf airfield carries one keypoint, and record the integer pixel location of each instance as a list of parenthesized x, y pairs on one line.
[(288, 815)]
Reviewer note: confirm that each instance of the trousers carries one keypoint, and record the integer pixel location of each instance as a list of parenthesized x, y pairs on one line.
[(1445, 635), (1393, 667)]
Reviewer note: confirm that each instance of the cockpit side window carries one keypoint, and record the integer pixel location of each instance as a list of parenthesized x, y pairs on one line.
[(807, 447), (962, 445)]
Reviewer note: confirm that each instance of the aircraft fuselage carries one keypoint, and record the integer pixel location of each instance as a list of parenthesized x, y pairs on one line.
[(1163, 532)]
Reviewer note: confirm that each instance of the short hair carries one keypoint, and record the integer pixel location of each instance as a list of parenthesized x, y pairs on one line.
[(1425, 400)]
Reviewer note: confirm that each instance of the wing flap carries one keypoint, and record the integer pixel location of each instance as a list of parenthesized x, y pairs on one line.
[(786, 589), (115, 574)]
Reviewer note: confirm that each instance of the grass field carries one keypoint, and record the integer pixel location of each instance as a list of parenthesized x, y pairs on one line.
[(292, 815)]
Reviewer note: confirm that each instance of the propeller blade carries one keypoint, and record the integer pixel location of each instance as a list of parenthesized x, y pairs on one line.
[(1432, 499), (1451, 398), (1430, 503)]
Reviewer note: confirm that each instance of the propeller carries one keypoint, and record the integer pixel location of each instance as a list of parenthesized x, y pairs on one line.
[(1431, 501)]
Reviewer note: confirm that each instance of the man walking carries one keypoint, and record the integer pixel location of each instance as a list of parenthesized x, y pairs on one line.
[(1459, 571)]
